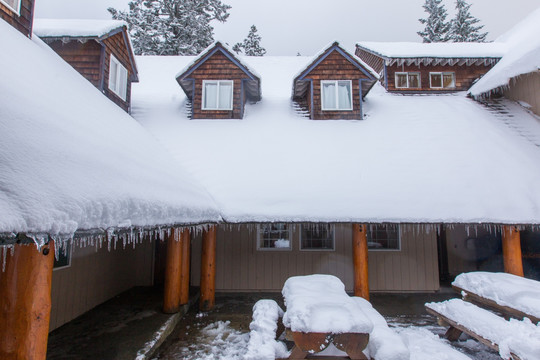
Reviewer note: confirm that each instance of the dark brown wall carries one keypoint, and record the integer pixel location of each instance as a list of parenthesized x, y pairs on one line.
[(465, 75), (23, 23), (116, 45), (218, 67), (84, 57), (335, 67), (376, 62)]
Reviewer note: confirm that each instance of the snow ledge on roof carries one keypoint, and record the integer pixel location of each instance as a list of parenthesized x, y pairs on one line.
[(75, 27)]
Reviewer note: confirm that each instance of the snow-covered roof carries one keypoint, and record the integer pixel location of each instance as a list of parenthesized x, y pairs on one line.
[(432, 158), (71, 159), (523, 56), (77, 28), (434, 50)]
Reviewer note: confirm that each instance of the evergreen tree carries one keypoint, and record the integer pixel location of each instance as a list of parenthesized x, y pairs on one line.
[(171, 27), (436, 28), (463, 27), (251, 46)]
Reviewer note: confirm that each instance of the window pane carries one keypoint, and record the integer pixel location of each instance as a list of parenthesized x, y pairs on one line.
[(225, 95), (344, 95), (448, 80), (123, 83), (14, 4), (401, 80), (329, 95), (317, 237), (274, 236), (414, 80), (210, 95), (436, 80), (383, 237), (113, 75)]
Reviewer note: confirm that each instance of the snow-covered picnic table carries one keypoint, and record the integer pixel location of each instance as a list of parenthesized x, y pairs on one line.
[(516, 297)]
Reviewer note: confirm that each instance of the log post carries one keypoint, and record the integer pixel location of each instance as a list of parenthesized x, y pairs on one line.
[(360, 260), (208, 269), (184, 277), (25, 310), (173, 270), (513, 261)]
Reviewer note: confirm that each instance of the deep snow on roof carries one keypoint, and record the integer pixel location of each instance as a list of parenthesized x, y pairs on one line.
[(75, 27), (435, 50), (523, 55), (418, 159), (71, 159)]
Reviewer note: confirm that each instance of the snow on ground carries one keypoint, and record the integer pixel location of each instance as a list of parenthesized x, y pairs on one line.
[(505, 289), (75, 27), (71, 159), (413, 158)]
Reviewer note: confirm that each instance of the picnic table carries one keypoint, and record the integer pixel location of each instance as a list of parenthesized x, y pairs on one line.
[(319, 313)]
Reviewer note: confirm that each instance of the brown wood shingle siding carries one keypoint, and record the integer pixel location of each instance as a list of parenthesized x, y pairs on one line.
[(116, 45), (84, 57), (335, 67), (22, 22), (218, 67), (376, 62), (464, 75)]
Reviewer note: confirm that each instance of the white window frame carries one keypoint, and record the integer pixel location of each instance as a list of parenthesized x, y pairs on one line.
[(16, 11), (442, 79), (336, 82), (259, 238), (388, 250), (69, 255), (333, 228), (217, 102), (116, 85), (407, 74)]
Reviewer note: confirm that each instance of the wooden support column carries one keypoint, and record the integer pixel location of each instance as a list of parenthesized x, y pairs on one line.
[(208, 269), (184, 277), (25, 302), (513, 261), (360, 260), (173, 273)]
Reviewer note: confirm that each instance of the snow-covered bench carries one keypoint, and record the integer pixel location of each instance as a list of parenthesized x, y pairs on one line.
[(516, 338)]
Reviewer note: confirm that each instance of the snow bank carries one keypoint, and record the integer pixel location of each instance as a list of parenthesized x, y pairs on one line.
[(75, 27), (435, 50), (522, 57), (262, 338), (275, 165), (519, 337), (319, 303), (384, 343), (424, 345), (71, 159), (505, 289)]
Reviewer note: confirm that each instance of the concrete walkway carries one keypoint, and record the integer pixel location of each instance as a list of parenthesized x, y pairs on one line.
[(129, 326)]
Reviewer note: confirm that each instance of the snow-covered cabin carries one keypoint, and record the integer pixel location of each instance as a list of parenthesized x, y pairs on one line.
[(517, 75), (78, 172), (409, 67), (218, 84), (100, 50), (18, 13), (333, 85)]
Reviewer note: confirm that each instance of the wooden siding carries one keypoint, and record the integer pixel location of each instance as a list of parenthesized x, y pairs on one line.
[(526, 88), (22, 22), (464, 75), (374, 61), (85, 57), (241, 267), (218, 67), (117, 46), (95, 277), (335, 67)]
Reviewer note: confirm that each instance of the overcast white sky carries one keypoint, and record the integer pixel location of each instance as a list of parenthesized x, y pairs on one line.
[(305, 26)]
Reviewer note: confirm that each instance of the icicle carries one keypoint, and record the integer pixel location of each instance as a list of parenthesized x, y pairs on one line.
[(4, 258)]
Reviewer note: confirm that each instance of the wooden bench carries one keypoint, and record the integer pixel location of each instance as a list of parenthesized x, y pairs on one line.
[(484, 316)]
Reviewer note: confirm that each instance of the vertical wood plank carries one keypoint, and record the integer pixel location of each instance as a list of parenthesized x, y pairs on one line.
[(173, 272), (184, 273), (208, 269), (513, 262), (360, 258)]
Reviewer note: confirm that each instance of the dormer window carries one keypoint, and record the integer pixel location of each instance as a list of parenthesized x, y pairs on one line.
[(217, 95), (442, 80), (118, 78), (14, 5), (336, 95)]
